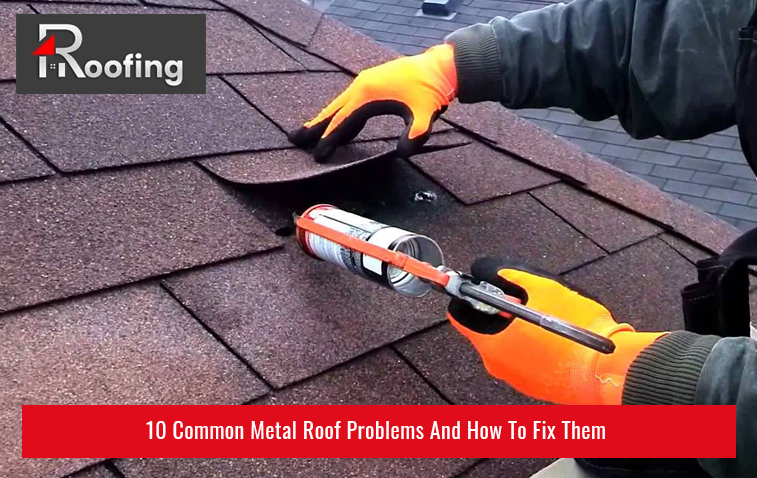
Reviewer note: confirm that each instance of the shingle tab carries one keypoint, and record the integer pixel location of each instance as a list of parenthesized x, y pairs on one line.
[(232, 44), (203, 4), (8, 12), (649, 201), (17, 161), (292, 19), (640, 285), (686, 249), (604, 223), (330, 38), (77, 132), (283, 165), (310, 62), (291, 316), (97, 471), (133, 345), (519, 137), (292, 99), (380, 378), (69, 235), (451, 363), (488, 173)]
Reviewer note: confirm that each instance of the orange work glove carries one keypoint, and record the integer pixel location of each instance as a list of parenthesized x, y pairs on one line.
[(541, 364), (417, 88)]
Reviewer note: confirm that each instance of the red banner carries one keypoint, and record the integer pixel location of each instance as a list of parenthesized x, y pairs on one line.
[(322, 431)]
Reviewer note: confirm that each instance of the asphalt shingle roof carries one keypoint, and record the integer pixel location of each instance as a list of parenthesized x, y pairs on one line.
[(149, 259), (702, 172)]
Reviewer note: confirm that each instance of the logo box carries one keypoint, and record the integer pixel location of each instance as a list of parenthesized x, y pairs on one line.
[(110, 53)]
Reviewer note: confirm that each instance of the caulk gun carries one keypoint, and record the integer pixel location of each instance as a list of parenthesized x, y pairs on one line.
[(412, 265)]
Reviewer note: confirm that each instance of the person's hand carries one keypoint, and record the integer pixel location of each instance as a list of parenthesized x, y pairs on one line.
[(541, 364), (417, 88)]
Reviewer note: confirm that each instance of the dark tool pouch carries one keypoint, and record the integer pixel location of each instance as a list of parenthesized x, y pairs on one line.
[(718, 304)]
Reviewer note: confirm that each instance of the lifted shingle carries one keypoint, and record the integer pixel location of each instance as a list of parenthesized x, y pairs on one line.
[(285, 165)]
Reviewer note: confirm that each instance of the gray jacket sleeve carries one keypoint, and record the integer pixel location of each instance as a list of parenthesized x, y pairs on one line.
[(665, 67), (683, 368)]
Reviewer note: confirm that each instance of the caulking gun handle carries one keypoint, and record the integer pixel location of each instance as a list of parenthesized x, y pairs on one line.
[(579, 335)]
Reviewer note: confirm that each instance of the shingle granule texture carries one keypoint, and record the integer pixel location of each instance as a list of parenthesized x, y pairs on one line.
[(291, 19), (78, 132), (308, 61), (133, 345), (291, 316), (488, 173), (640, 285), (604, 223), (644, 198), (17, 161), (685, 248), (8, 12), (285, 165), (521, 138), (232, 44), (331, 37), (204, 4), (66, 236), (97, 471), (450, 362), (378, 379)]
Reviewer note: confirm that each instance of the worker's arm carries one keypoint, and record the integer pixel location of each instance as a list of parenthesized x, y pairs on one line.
[(654, 368), (665, 67), (683, 368)]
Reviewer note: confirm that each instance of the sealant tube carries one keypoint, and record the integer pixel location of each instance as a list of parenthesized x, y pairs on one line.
[(415, 245)]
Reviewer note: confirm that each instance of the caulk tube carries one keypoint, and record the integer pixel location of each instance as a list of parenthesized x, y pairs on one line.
[(382, 235)]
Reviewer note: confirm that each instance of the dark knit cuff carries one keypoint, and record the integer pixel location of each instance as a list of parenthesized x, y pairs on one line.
[(667, 372), (477, 63)]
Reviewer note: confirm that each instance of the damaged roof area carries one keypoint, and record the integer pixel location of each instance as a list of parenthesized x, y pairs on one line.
[(147, 255)]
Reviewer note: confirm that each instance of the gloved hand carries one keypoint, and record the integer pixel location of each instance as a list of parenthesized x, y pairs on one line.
[(541, 364), (418, 88)]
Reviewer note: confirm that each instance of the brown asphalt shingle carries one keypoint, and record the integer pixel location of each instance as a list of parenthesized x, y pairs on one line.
[(232, 44), (80, 236), (451, 364), (640, 285), (132, 345), (686, 249), (604, 223), (378, 379), (285, 165), (310, 62), (289, 332), (489, 173), (8, 12), (330, 38), (294, 20), (79, 132), (17, 161), (69, 235)]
